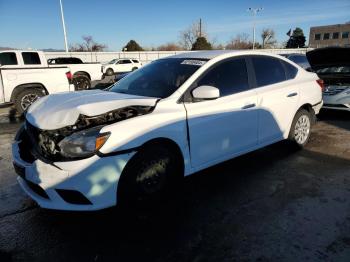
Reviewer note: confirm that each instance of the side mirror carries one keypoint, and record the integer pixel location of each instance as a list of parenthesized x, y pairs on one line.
[(206, 93)]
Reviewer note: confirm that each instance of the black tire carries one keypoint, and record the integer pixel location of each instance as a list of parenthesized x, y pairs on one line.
[(109, 72), (134, 68), (300, 129), (151, 180), (25, 98), (81, 82)]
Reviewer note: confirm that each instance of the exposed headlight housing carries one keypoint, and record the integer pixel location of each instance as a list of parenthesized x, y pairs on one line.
[(83, 144)]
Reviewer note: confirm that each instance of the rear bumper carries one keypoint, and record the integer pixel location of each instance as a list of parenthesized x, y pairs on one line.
[(317, 107), (82, 185)]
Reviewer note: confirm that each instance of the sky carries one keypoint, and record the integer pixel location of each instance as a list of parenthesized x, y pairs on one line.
[(37, 24)]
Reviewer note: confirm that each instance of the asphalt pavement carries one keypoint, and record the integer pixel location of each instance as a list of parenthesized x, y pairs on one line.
[(275, 204)]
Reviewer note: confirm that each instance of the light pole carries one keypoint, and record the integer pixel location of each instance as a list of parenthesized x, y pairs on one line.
[(64, 28), (254, 11)]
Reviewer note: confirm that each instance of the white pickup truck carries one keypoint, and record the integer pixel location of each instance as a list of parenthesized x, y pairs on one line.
[(83, 73), (25, 76)]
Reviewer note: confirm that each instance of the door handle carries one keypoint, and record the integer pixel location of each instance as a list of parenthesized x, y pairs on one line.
[(248, 106), (292, 94)]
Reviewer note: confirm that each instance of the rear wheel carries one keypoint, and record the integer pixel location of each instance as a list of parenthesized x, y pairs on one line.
[(81, 82), (300, 130), (25, 98), (149, 181), (134, 68), (109, 72)]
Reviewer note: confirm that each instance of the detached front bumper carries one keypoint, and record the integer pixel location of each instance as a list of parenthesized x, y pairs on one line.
[(82, 185)]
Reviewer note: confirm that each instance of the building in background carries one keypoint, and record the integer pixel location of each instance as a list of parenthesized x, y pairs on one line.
[(330, 35)]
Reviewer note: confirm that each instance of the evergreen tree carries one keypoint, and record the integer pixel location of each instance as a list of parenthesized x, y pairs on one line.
[(297, 39), (201, 44), (132, 45)]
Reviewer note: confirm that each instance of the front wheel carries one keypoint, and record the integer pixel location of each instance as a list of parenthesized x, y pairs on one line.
[(300, 130), (150, 180)]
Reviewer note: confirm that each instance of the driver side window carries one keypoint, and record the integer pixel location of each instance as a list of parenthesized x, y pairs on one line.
[(229, 77)]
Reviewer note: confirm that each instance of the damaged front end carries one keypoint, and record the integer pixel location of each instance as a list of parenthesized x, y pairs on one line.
[(77, 141)]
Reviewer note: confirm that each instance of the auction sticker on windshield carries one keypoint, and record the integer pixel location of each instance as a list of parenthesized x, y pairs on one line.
[(193, 62)]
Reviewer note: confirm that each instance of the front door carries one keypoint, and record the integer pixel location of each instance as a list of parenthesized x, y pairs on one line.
[(222, 127)]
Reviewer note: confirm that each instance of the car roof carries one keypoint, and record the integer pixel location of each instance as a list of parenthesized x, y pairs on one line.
[(218, 53), (127, 58)]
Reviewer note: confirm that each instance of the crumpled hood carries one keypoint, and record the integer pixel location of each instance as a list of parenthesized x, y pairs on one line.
[(328, 56), (63, 109)]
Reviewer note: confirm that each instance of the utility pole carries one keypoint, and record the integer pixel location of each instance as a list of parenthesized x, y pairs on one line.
[(254, 12), (64, 28), (200, 27)]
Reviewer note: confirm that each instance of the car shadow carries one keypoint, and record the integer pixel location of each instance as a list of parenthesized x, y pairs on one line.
[(337, 118)]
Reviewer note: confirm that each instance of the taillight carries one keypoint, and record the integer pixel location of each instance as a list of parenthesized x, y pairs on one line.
[(69, 75), (320, 82)]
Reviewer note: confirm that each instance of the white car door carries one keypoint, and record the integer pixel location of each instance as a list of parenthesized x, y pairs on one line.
[(222, 127), (124, 65), (277, 97)]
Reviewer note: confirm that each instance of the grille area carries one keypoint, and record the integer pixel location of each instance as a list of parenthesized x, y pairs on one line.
[(42, 143), (333, 90), (25, 148)]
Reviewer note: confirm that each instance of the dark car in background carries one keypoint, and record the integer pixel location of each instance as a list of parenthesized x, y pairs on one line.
[(120, 76), (64, 60), (332, 65), (299, 59)]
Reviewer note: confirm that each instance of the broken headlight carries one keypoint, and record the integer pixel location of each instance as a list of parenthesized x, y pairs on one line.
[(83, 144)]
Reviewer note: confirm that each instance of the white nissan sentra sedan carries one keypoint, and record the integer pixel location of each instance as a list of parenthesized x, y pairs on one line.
[(132, 144)]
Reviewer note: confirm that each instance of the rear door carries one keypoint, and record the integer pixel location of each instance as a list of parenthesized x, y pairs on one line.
[(277, 97), (124, 65), (32, 59), (222, 127)]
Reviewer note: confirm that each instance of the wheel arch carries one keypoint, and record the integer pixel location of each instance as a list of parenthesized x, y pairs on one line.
[(18, 89), (170, 144), (82, 73), (165, 142), (308, 107)]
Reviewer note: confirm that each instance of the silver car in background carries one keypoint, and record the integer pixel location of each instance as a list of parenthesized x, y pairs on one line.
[(332, 64)]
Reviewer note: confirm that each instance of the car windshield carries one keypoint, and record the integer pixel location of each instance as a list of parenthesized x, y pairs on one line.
[(113, 61), (334, 70), (160, 78)]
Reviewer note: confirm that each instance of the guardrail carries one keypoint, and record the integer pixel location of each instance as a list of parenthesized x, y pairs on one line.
[(145, 56)]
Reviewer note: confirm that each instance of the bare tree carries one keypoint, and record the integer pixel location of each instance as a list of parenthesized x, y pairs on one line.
[(88, 45), (268, 38), (240, 41), (170, 47), (190, 35)]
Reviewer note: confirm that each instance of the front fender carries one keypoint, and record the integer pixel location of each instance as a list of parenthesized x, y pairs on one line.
[(164, 122)]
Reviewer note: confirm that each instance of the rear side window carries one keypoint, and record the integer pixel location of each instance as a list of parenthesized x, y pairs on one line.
[(229, 77), (31, 58), (268, 70), (135, 61), (8, 58), (291, 71), (299, 59), (124, 62)]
